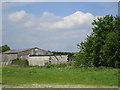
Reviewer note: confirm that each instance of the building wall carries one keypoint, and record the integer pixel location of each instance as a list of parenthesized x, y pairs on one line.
[(7, 58), (58, 59), (38, 60), (50, 59)]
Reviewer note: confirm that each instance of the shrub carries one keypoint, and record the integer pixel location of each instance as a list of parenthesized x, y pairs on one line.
[(49, 65), (20, 62), (60, 65), (79, 60), (4, 48)]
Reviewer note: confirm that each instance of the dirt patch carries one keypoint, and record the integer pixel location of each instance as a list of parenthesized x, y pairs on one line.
[(56, 86)]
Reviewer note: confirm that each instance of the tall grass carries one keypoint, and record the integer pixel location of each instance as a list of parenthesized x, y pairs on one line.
[(60, 65), (102, 76)]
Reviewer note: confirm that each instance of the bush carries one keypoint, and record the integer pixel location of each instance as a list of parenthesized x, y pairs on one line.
[(49, 65), (20, 62), (79, 60), (4, 48), (60, 65)]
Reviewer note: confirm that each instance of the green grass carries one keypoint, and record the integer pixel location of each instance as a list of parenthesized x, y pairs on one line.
[(15, 75)]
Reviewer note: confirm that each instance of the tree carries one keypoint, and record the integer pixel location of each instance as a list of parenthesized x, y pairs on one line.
[(4, 48), (110, 50), (101, 48)]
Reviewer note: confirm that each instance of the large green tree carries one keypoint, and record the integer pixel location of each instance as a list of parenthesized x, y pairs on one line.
[(101, 48)]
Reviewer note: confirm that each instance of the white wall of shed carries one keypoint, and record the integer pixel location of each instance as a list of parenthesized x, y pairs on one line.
[(58, 59), (6, 59), (38, 60)]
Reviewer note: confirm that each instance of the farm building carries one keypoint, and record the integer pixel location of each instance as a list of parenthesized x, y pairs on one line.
[(35, 56)]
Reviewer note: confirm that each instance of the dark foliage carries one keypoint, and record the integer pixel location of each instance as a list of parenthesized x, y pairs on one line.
[(4, 48), (61, 53), (102, 47), (60, 65), (20, 62)]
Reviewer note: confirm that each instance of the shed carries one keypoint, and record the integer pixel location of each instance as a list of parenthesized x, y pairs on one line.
[(35, 56), (8, 56)]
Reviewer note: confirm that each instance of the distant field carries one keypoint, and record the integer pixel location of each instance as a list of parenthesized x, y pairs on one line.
[(16, 76)]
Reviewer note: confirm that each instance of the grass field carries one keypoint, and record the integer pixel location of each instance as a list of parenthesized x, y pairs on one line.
[(15, 76)]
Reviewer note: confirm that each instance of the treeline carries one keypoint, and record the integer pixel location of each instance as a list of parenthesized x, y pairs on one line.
[(4, 48), (102, 47), (61, 53)]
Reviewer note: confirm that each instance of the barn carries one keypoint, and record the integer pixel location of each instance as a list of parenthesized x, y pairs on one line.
[(35, 56)]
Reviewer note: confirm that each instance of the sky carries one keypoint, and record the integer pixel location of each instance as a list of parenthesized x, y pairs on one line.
[(55, 26)]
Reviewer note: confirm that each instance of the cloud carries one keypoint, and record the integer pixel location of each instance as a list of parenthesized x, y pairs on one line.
[(47, 31), (28, 24), (46, 14), (49, 20), (77, 19), (17, 16)]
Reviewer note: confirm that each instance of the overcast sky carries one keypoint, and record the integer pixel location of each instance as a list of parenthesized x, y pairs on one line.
[(52, 26)]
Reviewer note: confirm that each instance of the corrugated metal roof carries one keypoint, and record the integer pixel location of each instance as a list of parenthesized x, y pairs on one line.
[(16, 51), (19, 50)]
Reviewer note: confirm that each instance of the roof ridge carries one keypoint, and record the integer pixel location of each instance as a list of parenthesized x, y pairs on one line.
[(21, 50)]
